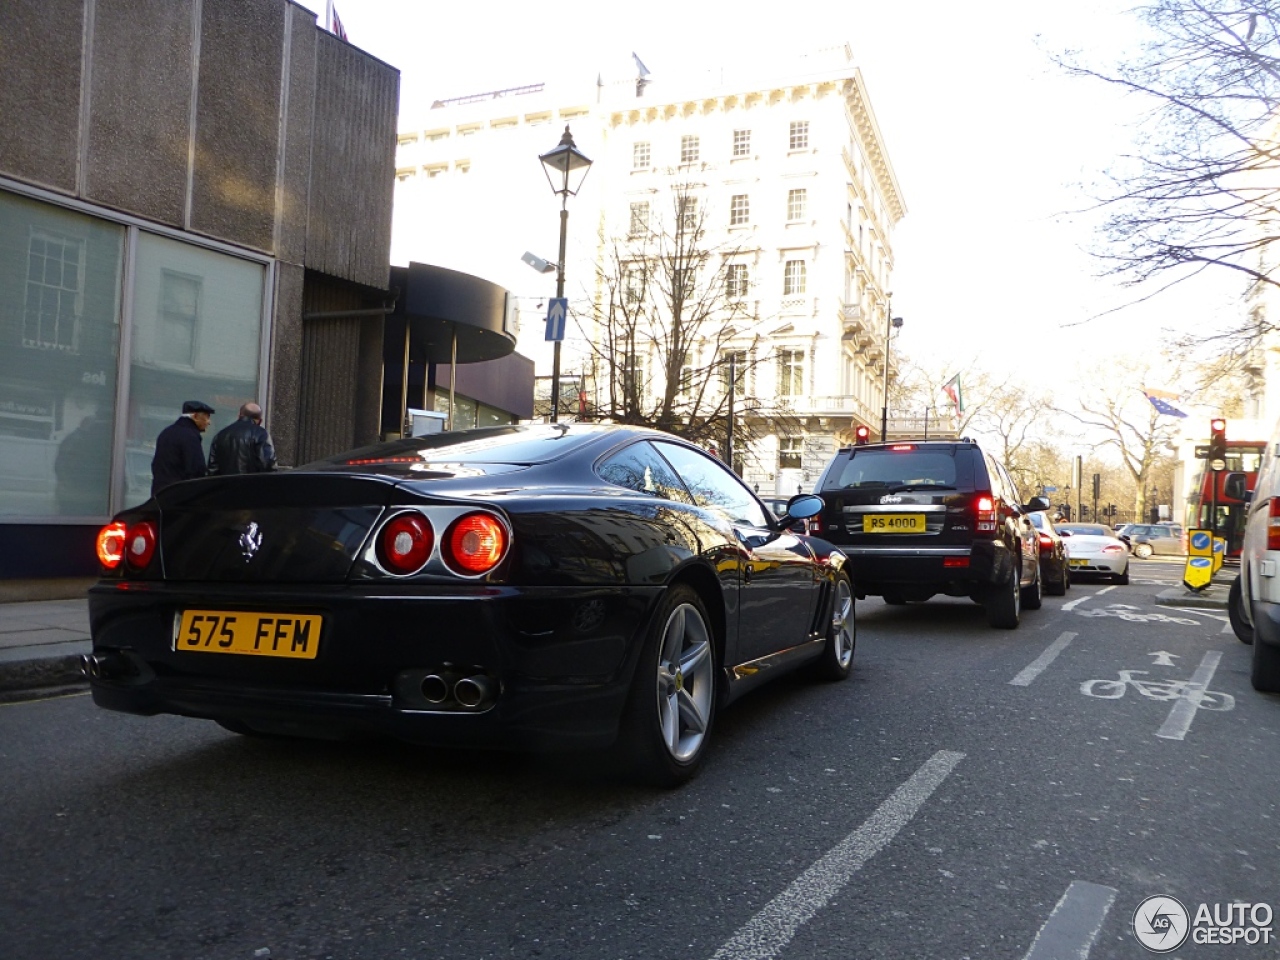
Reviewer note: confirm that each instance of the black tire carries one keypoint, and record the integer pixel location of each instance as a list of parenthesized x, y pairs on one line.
[(1004, 603), (668, 717), (1266, 668), (836, 659), (1121, 578), (1066, 575), (1059, 588), (1142, 551), (1033, 596), (1235, 612)]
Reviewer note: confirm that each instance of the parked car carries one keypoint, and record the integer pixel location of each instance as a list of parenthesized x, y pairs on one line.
[(1055, 571), (926, 517), (1094, 548), (559, 586), (1148, 539), (1253, 602)]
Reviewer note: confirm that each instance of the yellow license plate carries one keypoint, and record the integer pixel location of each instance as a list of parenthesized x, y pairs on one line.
[(1078, 563), (893, 523), (257, 634)]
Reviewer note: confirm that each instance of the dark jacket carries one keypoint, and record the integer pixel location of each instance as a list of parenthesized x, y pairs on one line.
[(243, 447), (179, 455)]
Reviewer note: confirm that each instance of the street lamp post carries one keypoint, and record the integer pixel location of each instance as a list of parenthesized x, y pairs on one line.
[(566, 168), (891, 323)]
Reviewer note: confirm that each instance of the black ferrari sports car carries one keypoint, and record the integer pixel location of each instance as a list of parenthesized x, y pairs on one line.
[(561, 586)]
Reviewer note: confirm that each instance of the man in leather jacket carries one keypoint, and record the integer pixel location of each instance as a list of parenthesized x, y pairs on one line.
[(243, 447)]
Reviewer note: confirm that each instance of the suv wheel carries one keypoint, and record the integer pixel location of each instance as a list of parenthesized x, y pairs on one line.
[(1004, 604), (1239, 625), (1266, 668)]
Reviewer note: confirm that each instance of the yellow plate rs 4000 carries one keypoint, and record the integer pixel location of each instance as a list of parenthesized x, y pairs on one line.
[(256, 634), (893, 523)]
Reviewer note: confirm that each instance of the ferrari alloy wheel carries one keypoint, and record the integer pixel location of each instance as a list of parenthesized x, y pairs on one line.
[(836, 659), (672, 702)]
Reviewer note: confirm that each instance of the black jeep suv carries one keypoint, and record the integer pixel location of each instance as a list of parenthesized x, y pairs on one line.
[(923, 517)]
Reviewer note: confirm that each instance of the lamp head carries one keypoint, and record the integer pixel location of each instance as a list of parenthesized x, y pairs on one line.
[(566, 166)]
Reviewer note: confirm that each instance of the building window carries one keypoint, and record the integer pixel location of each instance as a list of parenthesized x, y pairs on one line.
[(463, 166), (789, 452), (639, 219), (406, 174), (739, 210), (739, 358), (687, 208), (408, 139), (799, 135), (54, 280), (640, 155), (796, 201), (790, 373), (793, 278), (436, 171), (689, 148), (741, 143), (633, 284), (179, 314), (437, 135), (634, 379), (735, 287)]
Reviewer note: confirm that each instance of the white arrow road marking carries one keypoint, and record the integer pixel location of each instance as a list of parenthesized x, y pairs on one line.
[(1074, 923), (1163, 658), (767, 933), (1024, 677)]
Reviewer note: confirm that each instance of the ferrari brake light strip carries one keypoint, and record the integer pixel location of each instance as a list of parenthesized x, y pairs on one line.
[(1029, 673), (767, 934)]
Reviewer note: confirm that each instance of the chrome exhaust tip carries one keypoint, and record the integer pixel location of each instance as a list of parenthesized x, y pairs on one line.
[(87, 665), (474, 692), (436, 687)]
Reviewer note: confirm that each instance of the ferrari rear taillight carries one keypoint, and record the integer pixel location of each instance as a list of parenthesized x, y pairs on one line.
[(140, 545), (1273, 523), (475, 543), (405, 543), (110, 546), (985, 521)]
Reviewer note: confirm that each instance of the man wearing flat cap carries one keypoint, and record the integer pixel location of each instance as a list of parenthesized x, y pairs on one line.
[(179, 454)]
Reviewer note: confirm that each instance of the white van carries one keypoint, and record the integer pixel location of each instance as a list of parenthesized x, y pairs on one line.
[(1254, 601)]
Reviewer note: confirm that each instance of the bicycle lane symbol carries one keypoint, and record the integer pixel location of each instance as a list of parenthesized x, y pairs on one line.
[(1187, 696)]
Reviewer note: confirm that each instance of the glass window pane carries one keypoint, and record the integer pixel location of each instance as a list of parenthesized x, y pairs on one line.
[(59, 342), (196, 336), (712, 485)]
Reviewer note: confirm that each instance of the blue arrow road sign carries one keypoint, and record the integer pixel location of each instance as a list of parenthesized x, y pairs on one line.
[(557, 311)]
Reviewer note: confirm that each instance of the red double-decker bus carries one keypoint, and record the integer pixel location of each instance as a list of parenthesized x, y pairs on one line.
[(1215, 510)]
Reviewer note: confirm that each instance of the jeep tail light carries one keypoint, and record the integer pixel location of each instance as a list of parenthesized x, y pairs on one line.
[(110, 546), (140, 545), (985, 521), (475, 544), (1273, 523), (405, 543)]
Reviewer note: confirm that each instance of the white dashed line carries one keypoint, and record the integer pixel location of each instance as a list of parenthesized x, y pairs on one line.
[(1074, 923), (1037, 666), (1184, 711), (767, 933)]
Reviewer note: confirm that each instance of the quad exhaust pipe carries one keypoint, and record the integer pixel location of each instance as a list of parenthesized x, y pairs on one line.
[(474, 692), (102, 666)]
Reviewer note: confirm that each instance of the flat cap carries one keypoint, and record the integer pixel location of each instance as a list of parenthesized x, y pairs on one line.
[(197, 406)]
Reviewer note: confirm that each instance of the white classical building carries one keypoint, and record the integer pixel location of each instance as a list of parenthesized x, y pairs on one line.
[(792, 174)]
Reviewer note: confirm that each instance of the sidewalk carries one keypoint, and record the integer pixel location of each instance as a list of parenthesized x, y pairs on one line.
[(40, 644)]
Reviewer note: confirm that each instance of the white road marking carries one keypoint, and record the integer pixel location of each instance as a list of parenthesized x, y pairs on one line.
[(767, 933), (1184, 711), (1163, 658), (1074, 923), (1024, 678), (1072, 604), (1226, 628), (1106, 590)]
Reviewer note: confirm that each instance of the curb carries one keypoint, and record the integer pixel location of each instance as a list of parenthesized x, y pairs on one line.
[(1185, 598), (26, 679)]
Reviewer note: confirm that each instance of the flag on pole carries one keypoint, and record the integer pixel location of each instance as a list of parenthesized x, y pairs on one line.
[(952, 389), (1162, 405), (339, 30)]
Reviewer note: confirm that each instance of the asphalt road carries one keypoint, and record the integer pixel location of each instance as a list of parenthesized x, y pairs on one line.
[(969, 793)]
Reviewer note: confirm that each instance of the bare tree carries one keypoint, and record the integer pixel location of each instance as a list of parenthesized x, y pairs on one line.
[(1203, 193), (672, 316)]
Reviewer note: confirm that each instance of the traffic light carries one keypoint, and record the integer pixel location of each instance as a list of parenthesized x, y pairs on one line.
[(1217, 441), (862, 434)]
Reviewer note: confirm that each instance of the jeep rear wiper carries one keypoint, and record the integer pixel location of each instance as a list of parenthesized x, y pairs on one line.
[(904, 487)]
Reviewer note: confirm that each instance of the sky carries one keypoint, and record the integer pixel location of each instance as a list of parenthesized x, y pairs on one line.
[(998, 152)]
